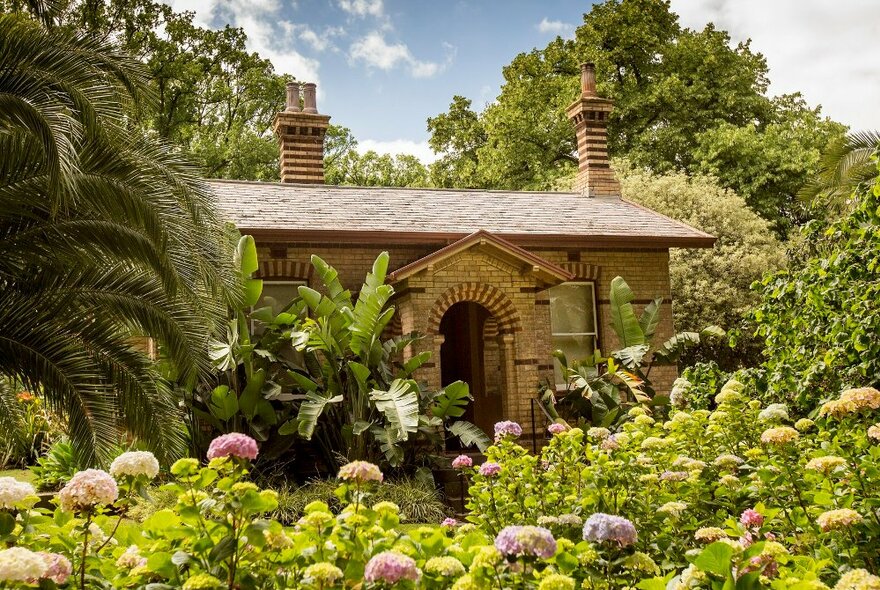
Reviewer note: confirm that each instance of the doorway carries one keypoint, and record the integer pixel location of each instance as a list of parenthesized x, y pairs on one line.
[(471, 352)]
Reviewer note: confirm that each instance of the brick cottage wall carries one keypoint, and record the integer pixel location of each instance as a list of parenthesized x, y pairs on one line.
[(520, 332)]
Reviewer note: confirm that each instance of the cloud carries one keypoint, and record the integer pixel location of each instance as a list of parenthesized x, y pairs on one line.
[(825, 50), (555, 27), (362, 8), (419, 149), (318, 42), (265, 31), (374, 52)]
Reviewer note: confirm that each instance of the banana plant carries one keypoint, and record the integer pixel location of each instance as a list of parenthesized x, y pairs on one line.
[(601, 389), (247, 393), (360, 400)]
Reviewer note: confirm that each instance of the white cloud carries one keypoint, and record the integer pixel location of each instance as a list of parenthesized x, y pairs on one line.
[(362, 8), (555, 27), (826, 50), (419, 149), (374, 52), (319, 42), (265, 31)]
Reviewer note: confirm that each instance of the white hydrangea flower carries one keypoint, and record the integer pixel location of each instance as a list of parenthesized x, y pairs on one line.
[(12, 492), (18, 564), (135, 463)]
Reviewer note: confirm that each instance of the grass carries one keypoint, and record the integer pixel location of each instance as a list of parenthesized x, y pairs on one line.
[(19, 474)]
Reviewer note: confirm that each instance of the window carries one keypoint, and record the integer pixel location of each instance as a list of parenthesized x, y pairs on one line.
[(277, 294), (573, 322)]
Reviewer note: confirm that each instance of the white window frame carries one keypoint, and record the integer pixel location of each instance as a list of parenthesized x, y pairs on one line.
[(594, 334)]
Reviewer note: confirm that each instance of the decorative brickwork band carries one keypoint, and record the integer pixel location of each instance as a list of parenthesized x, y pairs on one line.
[(284, 269), (300, 134), (582, 270), (488, 296), (590, 113)]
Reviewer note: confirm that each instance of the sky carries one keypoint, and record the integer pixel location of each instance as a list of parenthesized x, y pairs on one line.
[(384, 66)]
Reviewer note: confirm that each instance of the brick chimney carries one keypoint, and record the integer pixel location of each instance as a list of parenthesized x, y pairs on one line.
[(300, 132), (589, 113)]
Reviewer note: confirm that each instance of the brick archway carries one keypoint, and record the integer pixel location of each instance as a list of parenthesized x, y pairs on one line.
[(493, 299)]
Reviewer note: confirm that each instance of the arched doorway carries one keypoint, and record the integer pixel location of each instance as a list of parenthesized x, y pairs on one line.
[(472, 352)]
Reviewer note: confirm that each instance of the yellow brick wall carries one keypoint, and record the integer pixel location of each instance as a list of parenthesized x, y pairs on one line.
[(516, 300)]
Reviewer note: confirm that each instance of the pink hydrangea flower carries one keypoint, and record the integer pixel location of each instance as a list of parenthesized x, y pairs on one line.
[(462, 462), (490, 469), (601, 527), (234, 444), (449, 522), (360, 471), (751, 518), (391, 567), (557, 428), (58, 567), (87, 489), (507, 428), (532, 541)]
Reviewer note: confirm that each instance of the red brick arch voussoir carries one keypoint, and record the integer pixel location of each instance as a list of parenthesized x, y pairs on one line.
[(492, 298)]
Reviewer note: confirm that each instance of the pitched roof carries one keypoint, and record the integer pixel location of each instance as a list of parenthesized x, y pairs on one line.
[(417, 215), (544, 270)]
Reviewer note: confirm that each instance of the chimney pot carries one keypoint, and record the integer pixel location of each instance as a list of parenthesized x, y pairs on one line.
[(310, 101), (588, 79), (292, 98)]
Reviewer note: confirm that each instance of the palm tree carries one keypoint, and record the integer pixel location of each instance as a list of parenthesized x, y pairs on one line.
[(106, 236), (846, 164)]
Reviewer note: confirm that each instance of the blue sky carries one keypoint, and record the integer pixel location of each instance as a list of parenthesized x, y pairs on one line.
[(384, 66)]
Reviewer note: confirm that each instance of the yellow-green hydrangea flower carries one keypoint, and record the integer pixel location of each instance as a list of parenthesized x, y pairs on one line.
[(858, 579), (445, 566), (323, 573), (556, 582), (202, 582)]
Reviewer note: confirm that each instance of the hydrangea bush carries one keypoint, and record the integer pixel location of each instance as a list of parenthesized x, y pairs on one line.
[(738, 498), (741, 495)]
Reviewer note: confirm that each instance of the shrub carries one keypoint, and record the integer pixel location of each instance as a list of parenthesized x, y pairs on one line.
[(56, 467), (419, 501), (820, 322)]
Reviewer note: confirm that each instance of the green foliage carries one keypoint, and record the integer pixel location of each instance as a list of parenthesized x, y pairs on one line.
[(687, 482), (710, 285), (27, 425), (419, 501), (373, 169), (698, 386), (361, 402), (686, 100), (600, 390), (107, 238), (819, 323), (847, 164), (55, 467)]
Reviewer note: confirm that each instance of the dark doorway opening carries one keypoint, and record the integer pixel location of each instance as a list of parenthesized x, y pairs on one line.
[(471, 353)]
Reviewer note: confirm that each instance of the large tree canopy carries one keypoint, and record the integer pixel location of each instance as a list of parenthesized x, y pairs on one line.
[(684, 100), (107, 236)]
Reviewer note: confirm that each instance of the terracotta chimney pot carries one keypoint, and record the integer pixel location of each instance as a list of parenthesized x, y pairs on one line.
[(310, 101), (588, 79), (292, 98)]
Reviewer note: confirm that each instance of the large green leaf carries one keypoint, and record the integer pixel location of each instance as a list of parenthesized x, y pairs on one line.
[(671, 350), (631, 357), (650, 318), (715, 559), (623, 316), (452, 401), (470, 435), (310, 410), (369, 316), (223, 403), (330, 279), (246, 256), (389, 444), (400, 405), (251, 395)]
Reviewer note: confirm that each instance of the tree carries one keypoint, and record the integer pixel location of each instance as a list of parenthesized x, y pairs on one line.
[(213, 98), (819, 322), (848, 164), (712, 285), (344, 165), (107, 236), (680, 95)]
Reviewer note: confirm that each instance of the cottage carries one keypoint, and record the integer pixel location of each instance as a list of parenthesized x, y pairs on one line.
[(494, 280)]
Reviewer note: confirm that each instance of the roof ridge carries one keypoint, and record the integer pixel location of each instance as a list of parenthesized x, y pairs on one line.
[(286, 185)]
